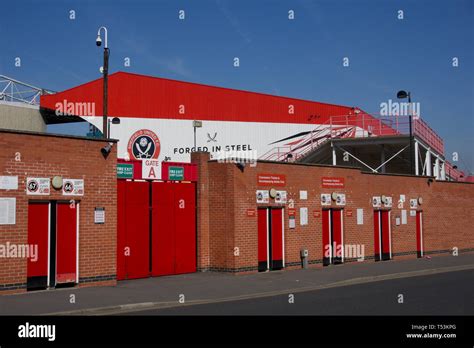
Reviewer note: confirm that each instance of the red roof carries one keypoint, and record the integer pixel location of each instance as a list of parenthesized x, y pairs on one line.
[(133, 95)]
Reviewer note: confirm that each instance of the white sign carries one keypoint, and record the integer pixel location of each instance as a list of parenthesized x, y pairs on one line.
[(341, 199), (38, 186), (303, 195), (303, 216), (73, 187), (360, 216), (397, 221), (404, 217), (280, 197), (325, 199), (151, 169), (263, 196), (291, 222), (8, 182), (7, 211), (412, 212), (402, 198), (413, 203), (376, 201), (388, 202), (99, 215)]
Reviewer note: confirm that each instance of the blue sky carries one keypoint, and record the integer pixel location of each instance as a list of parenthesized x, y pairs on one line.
[(298, 58)]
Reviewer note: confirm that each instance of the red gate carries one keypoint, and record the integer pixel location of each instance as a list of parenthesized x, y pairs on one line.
[(271, 239), (382, 235), (66, 242), (156, 233)]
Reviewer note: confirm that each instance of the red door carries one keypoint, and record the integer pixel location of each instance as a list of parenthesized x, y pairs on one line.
[(173, 228), (386, 235), (327, 242), (263, 260), (38, 235), (185, 227), (377, 239), (277, 257), (337, 236), (419, 234), (133, 232), (382, 235), (66, 242)]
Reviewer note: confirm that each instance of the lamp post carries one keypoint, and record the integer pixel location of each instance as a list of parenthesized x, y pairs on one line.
[(196, 124), (115, 120), (105, 72), (403, 95)]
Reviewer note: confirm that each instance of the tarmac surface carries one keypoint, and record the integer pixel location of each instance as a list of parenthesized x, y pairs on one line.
[(209, 287)]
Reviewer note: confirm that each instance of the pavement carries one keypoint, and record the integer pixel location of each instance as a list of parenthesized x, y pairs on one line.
[(210, 287)]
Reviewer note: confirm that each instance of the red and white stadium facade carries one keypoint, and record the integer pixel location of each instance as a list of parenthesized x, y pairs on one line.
[(157, 117)]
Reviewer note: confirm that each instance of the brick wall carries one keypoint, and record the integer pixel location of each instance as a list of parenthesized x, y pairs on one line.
[(227, 193), (35, 155)]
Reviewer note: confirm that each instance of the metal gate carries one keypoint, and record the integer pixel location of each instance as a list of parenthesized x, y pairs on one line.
[(156, 232)]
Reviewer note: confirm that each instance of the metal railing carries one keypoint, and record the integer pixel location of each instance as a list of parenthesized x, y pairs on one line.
[(355, 126), (12, 90)]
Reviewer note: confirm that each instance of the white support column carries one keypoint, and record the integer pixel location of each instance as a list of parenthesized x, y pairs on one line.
[(417, 168), (443, 170), (436, 168), (429, 167), (334, 162)]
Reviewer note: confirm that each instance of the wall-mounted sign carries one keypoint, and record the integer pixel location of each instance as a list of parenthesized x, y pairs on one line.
[(271, 180), (7, 211), (73, 187), (360, 216), (175, 173), (404, 217), (349, 213), (99, 215), (280, 197), (341, 199), (38, 186), (325, 199), (143, 144), (332, 182), (251, 212), (291, 222), (387, 202), (303, 195), (263, 196), (124, 171), (8, 182), (412, 212), (316, 213), (303, 216), (376, 201), (291, 212), (413, 203), (151, 169)]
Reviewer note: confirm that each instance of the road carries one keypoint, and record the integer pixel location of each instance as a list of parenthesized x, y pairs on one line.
[(440, 294)]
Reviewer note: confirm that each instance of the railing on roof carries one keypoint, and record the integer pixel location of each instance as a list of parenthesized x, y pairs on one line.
[(16, 91), (355, 126)]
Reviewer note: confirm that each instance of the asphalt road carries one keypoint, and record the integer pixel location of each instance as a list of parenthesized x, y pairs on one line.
[(440, 294)]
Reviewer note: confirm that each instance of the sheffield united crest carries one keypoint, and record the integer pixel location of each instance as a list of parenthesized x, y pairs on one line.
[(143, 144)]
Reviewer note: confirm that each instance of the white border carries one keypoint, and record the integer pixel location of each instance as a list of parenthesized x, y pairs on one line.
[(421, 234), (379, 212), (342, 233), (77, 243), (390, 233), (329, 235), (268, 239), (283, 235), (49, 243)]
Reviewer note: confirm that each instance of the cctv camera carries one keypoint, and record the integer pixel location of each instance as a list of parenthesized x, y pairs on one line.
[(98, 41), (106, 149)]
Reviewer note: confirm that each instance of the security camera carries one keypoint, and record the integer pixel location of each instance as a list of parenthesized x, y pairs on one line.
[(106, 149), (98, 41)]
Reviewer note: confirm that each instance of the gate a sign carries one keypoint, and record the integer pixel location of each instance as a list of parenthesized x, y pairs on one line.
[(151, 169)]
